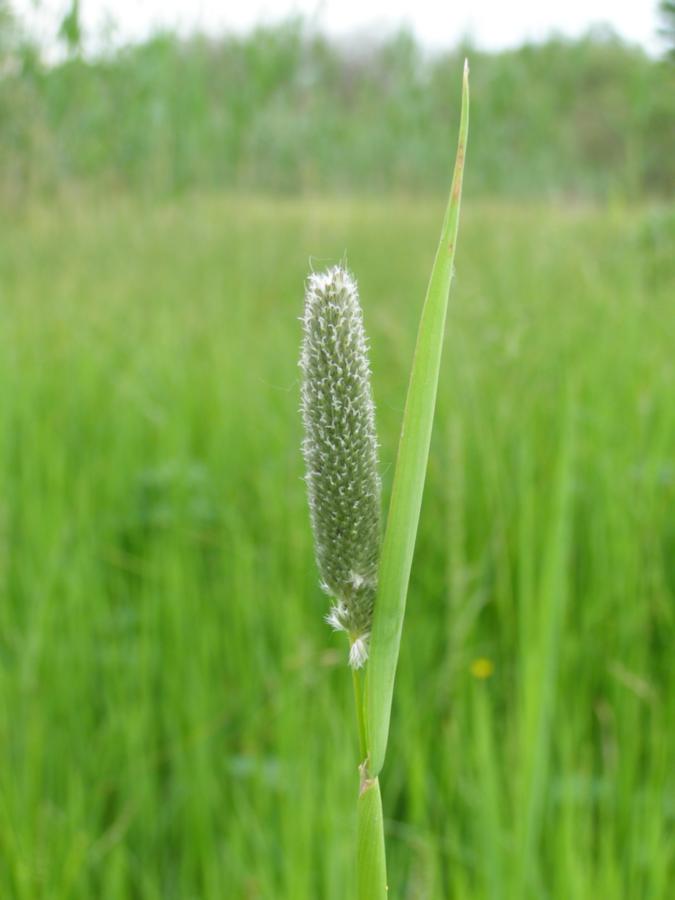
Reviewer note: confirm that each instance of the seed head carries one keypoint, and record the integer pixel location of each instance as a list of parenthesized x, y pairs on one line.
[(340, 450)]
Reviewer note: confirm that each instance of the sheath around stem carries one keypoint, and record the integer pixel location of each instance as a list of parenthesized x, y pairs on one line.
[(340, 450)]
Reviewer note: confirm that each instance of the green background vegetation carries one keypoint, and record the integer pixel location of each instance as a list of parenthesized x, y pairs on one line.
[(282, 108), (176, 721)]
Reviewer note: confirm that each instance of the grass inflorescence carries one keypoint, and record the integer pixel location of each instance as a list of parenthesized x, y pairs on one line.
[(340, 450)]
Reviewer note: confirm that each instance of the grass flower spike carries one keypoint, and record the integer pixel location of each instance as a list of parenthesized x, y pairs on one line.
[(340, 450)]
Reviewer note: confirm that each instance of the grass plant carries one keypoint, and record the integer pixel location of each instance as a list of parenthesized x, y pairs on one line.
[(340, 451)]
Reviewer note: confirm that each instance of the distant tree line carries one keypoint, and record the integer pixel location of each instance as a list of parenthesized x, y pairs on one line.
[(285, 109)]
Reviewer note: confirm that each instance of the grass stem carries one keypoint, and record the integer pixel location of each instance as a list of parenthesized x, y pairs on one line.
[(360, 720)]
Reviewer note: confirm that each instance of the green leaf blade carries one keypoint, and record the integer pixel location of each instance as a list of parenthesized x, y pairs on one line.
[(410, 473), (371, 868)]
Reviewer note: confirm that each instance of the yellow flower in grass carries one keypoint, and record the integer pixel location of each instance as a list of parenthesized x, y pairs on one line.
[(482, 668)]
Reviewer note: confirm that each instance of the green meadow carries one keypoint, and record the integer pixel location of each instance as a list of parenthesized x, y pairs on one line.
[(176, 720)]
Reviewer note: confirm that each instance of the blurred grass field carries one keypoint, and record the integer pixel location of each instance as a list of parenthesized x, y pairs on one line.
[(176, 717)]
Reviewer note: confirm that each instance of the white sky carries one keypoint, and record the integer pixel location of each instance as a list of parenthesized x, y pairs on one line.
[(491, 23)]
